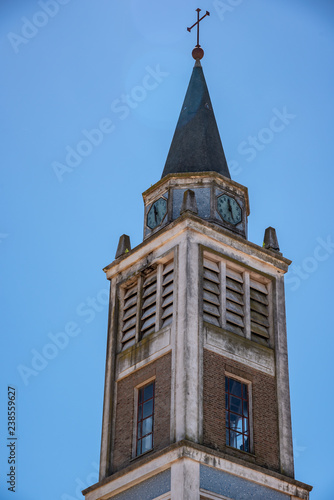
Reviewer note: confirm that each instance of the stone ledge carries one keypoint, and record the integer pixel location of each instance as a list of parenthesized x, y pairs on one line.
[(148, 466)]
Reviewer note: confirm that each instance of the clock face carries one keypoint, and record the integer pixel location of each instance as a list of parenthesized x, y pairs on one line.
[(229, 209), (156, 213)]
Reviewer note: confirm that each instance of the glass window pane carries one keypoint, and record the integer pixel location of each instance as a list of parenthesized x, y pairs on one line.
[(235, 387), (239, 441), (147, 425), (147, 443), (235, 405), (245, 422), (226, 384), (140, 412), (246, 443), (226, 401), (139, 448), (233, 439), (245, 409), (148, 392), (226, 419), (139, 430), (227, 437), (235, 422), (244, 391), (140, 395), (148, 408)]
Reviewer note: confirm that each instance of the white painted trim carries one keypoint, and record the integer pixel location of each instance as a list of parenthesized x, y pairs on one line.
[(109, 389), (282, 380), (185, 479), (165, 496), (180, 343), (164, 462), (173, 330), (221, 241), (213, 496)]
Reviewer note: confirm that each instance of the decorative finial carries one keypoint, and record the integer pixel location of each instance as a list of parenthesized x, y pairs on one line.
[(270, 240), (124, 246), (198, 52), (189, 203)]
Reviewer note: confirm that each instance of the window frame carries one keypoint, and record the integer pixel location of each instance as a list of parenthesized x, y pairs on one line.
[(137, 389), (250, 411)]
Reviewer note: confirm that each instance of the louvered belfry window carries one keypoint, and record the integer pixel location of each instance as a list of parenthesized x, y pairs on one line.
[(129, 315), (235, 299), (167, 293), (211, 292), (147, 304), (259, 310)]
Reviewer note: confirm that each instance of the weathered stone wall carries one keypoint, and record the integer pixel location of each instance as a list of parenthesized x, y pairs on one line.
[(265, 450), (125, 409)]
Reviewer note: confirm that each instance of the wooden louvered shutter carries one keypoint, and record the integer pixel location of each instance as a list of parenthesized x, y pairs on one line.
[(167, 293), (234, 301), (129, 316), (259, 311), (149, 304), (211, 292)]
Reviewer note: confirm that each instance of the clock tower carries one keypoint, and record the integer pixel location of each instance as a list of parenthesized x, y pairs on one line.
[(196, 398)]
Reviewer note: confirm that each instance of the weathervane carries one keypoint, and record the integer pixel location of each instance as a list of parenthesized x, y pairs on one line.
[(198, 52)]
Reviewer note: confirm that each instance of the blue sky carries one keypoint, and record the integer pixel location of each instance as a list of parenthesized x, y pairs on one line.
[(67, 69)]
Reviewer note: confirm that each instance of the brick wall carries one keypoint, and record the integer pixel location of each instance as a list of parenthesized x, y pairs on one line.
[(264, 410), (123, 445)]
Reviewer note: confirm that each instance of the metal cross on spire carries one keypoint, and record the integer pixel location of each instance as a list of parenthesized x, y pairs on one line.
[(198, 52)]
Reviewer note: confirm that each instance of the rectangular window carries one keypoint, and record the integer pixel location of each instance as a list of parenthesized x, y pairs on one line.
[(237, 414), (145, 418), (147, 303), (236, 299)]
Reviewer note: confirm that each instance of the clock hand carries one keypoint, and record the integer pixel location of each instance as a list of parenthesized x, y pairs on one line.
[(230, 209)]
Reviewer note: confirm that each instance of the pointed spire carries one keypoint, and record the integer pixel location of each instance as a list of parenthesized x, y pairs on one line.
[(196, 145)]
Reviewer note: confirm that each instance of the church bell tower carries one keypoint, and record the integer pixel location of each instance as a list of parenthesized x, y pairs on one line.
[(196, 399)]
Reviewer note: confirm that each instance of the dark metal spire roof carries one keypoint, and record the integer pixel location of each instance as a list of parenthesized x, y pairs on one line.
[(196, 145)]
